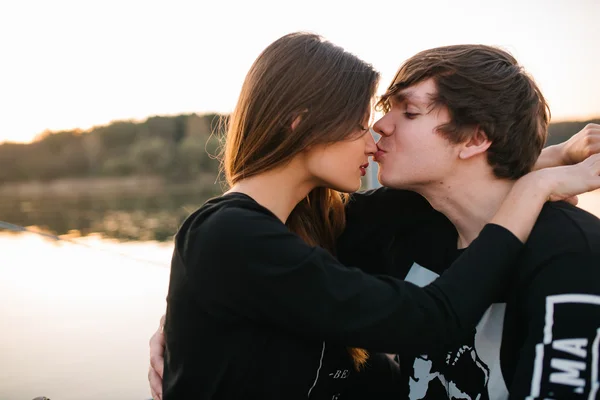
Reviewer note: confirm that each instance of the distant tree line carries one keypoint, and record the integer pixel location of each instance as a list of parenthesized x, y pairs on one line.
[(559, 132), (176, 147)]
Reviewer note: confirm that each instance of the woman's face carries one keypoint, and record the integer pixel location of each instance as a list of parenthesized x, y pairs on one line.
[(341, 165)]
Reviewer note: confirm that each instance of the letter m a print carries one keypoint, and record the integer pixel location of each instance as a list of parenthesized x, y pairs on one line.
[(567, 361)]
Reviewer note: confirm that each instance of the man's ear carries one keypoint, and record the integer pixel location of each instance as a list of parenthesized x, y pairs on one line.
[(478, 143)]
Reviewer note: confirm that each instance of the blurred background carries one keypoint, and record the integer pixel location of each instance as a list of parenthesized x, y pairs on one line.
[(111, 115)]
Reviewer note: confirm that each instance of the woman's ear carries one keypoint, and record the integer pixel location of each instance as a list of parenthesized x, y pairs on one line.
[(297, 119), (295, 122), (477, 144)]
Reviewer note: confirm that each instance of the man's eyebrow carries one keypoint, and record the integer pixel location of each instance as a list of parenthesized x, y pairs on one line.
[(410, 96)]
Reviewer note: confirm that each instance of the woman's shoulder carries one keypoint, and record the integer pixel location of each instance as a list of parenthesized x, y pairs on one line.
[(225, 217), (234, 225)]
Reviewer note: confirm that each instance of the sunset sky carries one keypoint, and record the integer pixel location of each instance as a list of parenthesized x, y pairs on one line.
[(67, 64)]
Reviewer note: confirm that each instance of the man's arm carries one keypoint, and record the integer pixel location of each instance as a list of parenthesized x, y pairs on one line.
[(560, 319)]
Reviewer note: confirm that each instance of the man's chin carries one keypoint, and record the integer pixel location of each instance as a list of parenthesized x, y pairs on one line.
[(385, 181), (394, 183)]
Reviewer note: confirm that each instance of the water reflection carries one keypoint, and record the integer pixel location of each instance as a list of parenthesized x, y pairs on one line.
[(76, 319), (151, 214)]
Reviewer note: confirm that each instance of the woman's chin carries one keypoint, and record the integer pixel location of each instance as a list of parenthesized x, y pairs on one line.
[(347, 187)]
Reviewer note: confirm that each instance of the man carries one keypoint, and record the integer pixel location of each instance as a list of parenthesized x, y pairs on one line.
[(461, 124)]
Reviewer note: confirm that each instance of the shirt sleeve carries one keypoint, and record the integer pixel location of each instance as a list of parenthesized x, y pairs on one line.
[(270, 276), (560, 326), (388, 229)]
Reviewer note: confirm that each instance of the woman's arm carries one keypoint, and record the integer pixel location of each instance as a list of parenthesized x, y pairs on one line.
[(560, 183), (384, 313), (281, 281), (387, 229), (268, 275)]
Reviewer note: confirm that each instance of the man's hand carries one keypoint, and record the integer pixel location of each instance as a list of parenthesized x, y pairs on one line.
[(157, 351), (582, 145)]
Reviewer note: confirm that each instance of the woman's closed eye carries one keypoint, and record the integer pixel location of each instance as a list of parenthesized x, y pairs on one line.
[(364, 129)]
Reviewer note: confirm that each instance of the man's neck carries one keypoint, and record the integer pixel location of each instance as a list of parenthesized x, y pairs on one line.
[(469, 202)]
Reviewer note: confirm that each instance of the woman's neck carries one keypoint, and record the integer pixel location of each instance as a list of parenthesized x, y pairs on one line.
[(279, 190)]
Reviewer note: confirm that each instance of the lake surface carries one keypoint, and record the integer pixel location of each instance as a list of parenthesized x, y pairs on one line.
[(76, 317), (76, 320), (137, 209)]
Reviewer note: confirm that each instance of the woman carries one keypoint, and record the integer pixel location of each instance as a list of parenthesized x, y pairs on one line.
[(258, 306)]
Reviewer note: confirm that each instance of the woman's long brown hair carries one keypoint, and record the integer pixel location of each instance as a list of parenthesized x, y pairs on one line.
[(300, 75)]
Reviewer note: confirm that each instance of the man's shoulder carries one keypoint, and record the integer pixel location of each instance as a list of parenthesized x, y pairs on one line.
[(562, 227), (562, 231)]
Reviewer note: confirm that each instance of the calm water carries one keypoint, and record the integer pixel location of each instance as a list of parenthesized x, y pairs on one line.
[(146, 211), (76, 319)]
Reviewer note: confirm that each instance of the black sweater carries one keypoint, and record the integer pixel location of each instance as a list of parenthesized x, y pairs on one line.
[(541, 339), (254, 312)]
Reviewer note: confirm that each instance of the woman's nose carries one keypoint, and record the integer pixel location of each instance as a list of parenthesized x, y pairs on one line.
[(371, 147)]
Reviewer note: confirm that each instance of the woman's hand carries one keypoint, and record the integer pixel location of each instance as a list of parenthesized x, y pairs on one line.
[(157, 353), (580, 146), (568, 181), (521, 207)]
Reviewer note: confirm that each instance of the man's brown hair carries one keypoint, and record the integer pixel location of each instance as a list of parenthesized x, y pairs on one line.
[(483, 87)]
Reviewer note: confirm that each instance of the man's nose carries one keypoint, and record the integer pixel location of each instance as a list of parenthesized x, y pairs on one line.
[(382, 127)]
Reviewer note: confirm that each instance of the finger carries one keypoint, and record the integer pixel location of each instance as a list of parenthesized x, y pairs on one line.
[(155, 385), (162, 321), (157, 340), (591, 145), (595, 163), (572, 200), (157, 363), (152, 392), (590, 128), (593, 127), (595, 148)]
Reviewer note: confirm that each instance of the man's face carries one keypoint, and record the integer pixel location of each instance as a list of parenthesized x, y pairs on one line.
[(412, 154)]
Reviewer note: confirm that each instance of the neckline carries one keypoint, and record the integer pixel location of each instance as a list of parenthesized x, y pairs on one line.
[(248, 197)]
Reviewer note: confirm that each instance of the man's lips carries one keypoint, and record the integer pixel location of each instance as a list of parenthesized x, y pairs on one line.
[(380, 152)]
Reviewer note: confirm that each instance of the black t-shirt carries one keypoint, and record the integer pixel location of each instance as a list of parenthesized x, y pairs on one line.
[(542, 337), (254, 312)]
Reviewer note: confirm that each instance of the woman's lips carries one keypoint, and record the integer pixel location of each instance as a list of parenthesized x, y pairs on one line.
[(363, 169)]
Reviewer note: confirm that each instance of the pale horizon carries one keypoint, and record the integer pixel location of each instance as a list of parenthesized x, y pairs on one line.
[(76, 65)]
